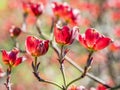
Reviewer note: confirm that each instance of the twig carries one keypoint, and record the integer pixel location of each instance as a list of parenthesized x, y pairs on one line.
[(88, 63), (61, 60), (8, 84), (35, 67), (45, 81)]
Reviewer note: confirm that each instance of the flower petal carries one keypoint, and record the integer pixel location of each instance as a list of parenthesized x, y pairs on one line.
[(62, 36), (18, 61), (82, 40), (74, 34), (91, 37), (102, 43), (42, 48), (36, 8), (13, 55), (31, 43), (5, 57)]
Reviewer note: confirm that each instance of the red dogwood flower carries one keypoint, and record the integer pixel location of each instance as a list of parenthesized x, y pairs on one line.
[(10, 58), (64, 35), (26, 7), (15, 31), (37, 8), (35, 46), (93, 40), (65, 12)]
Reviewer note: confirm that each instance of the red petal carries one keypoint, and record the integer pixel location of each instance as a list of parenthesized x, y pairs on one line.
[(46, 46), (30, 44), (62, 36), (18, 61), (102, 43), (5, 57), (42, 48), (66, 34), (91, 37), (74, 33), (37, 9), (82, 40), (13, 55)]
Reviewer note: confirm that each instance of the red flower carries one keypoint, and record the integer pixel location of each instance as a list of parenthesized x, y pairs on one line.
[(36, 47), (37, 8), (10, 58), (92, 40), (26, 7), (15, 31), (65, 12), (65, 35)]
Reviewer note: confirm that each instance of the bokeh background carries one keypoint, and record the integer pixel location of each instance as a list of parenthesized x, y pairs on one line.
[(103, 15)]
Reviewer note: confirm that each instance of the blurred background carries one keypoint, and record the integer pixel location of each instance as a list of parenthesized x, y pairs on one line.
[(103, 15)]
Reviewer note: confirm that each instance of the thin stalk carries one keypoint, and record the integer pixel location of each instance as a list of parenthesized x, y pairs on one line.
[(39, 31), (36, 74), (8, 84), (14, 41), (63, 75), (52, 83), (74, 81), (35, 64), (84, 72), (61, 65)]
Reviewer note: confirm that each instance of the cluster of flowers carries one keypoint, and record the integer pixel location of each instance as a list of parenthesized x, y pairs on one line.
[(64, 35), (92, 40)]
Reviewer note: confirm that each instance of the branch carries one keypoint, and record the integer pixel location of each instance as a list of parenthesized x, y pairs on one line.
[(35, 66), (45, 81)]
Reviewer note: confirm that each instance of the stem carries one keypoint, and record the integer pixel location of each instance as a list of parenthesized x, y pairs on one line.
[(63, 75), (53, 84), (24, 22), (14, 42), (45, 81), (84, 72), (35, 64), (39, 31), (8, 84), (52, 26), (96, 79), (36, 74), (61, 60), (73, 81)]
